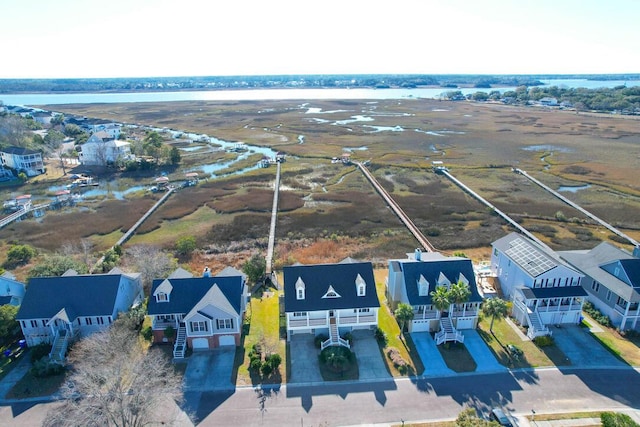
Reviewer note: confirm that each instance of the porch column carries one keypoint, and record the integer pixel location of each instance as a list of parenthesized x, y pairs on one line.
[(626, 314)]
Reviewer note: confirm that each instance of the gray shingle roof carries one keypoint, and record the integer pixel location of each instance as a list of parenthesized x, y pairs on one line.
[(317, 279), (559, 292), (187, 292), (83, 295)]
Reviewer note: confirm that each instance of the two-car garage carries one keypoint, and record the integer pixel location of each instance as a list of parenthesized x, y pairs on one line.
[(199, 344)]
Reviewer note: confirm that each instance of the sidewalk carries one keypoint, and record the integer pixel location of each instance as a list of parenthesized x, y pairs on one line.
[(14, 376)]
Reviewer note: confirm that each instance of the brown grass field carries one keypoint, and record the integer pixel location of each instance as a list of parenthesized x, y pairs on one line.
[(325, 202)]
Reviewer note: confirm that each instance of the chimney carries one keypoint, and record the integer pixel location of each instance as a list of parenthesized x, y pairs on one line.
[(418, 254), (206, 272)]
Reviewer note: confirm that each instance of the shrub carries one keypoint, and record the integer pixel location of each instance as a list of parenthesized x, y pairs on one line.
[(381, 337), (596, 314), (46, 368), (543, 341), (274, 361), (39, 351), (266, 369), (611, 419), (147, 333), (319, 339), (398, 361), (348, 337)]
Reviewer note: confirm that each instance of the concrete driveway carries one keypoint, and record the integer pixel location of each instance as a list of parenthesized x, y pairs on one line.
[(581, 348), (305, 367), (210, 370), (484, 358), (431, 358)]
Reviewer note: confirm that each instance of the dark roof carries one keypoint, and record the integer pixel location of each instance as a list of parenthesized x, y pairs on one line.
[(559, 292), (4, 300), (187, 292), (82, 295), (627, 270), (20, 151), (317, 279), (431, 270)]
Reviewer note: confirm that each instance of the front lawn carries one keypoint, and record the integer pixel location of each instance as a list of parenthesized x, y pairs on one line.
[(262, 327), (625, 348), (32, 386), (457, 357)]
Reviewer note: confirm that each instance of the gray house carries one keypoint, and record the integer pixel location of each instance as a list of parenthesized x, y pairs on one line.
[(612, 281)]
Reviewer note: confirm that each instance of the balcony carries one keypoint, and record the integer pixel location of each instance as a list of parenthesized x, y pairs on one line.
[(162, 324), (632, 312)]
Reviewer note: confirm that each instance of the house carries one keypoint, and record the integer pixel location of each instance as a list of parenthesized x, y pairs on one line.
[(205, 312), (612, 281), (56, 310), (22, 160), (11, 291), (330, 299), (544, 289), (412, 280), (102, 149)]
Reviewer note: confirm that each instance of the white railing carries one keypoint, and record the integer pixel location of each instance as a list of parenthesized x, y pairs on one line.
[(180, 346), (340, 341), (443, 336)]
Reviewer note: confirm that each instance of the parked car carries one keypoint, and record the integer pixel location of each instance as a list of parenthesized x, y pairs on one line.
[(497, 414)]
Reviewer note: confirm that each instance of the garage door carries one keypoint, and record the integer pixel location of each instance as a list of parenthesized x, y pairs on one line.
[(227, 340), (465, 323), (420, 326), (200, 344)]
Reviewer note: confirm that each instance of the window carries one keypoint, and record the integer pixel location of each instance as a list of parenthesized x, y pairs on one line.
[(363, 310), (595, 286), (300, 314), (88, 321), (224, 323), (300, 293), (34, 323), (162, 297), (361, 290), (100, 320), (198, 326), (608, 295)]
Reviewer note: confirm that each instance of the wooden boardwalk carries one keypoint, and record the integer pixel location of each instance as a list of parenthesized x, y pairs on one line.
[(274, 217), (424, 242)]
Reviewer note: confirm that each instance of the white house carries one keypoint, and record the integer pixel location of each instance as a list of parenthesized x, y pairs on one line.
[(544, 289), (58, 309), (22, 160), (612, 280), (330, 299), (205, 312), (412, 280), (11, 291), (102, 149)]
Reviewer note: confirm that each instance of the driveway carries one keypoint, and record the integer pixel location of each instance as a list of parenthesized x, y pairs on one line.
[(210, 370), (484, 358), (305, 367), (431, 358), (581, 348)]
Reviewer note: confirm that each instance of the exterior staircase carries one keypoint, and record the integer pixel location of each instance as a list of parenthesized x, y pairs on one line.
[(334, 337), (536, 327), (59, 346), (447, 332), (180, 346)]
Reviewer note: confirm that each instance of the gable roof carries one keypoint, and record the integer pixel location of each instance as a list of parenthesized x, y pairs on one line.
[(600, 265), (188, 292), (433, 271), (319, 278), (216, 298), (82, 295), (19, 151)]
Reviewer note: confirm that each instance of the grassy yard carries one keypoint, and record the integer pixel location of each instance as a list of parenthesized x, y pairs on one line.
[(262, 326), (627, 349), (532, 356), (457, 357), (390, 327)]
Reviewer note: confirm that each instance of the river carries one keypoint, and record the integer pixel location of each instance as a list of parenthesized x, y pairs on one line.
[(273, 94)]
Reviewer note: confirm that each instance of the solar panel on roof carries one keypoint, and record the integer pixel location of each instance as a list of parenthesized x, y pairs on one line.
[(529, 258)]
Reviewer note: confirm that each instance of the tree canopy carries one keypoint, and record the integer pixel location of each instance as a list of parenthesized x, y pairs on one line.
[(494, 307), (255, 268), (404, 315)]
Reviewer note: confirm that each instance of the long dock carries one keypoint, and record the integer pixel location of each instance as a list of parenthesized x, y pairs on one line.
[(496, 210), (576, 206), (424, 242), (274, 217), (16, 216)]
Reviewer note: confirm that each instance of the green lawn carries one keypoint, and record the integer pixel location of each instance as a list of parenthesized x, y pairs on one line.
[(262, 326), (457, 357)]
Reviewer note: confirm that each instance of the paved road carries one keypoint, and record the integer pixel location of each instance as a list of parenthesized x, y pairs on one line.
[(366, 403)]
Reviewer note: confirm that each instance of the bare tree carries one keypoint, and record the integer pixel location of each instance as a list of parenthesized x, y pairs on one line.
[(13, 130), (150, 261), (117, 381), (83, 251)]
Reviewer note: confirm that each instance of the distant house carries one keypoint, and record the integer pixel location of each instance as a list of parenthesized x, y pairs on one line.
[(102, 149), (612, 280), (11, 291), (205, 312), (56, 310), (544, 289), (22, 160), (412, 280), (42, 117), (549, 101), (330, 299)]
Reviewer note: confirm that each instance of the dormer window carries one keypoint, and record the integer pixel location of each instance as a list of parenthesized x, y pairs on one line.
[(361, 286), (463, 279), (443, 281), (331, 293), (300, 289), (163, 291), (423, 286)]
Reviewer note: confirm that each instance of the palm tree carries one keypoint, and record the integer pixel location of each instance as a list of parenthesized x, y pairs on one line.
[(404, 314), (459, 293), (494, 307), (441, 298)]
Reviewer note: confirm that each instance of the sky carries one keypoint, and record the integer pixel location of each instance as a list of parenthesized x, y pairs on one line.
[(143, 38)]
